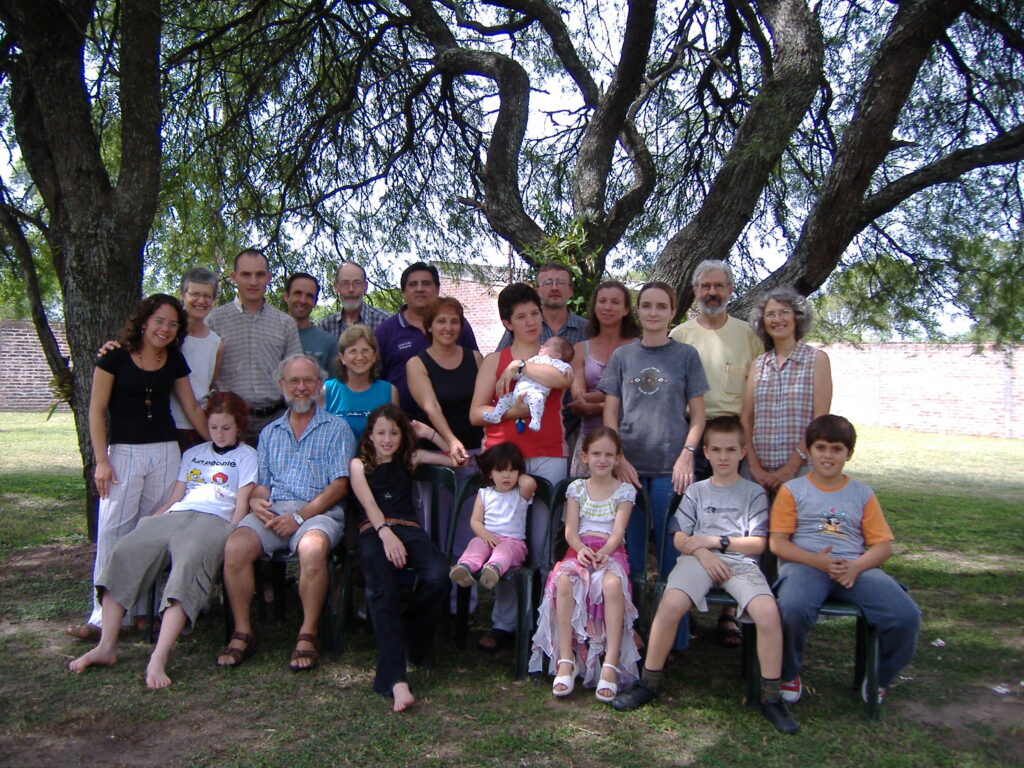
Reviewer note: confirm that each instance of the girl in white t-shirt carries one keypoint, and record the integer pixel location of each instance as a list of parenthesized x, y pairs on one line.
[(588, 610), (499, 518), (209, 499)]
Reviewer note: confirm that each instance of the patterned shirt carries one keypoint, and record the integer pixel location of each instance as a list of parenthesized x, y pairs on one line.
[(335, 323), (298, 470), (254, 344), (599, 516), (574, 331), (783, 404)]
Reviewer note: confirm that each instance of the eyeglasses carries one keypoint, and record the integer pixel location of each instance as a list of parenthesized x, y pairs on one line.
[(294, 381), (709, 286), (172, 324), (345, 285), (560, 282), (780, 314), (199, 296)]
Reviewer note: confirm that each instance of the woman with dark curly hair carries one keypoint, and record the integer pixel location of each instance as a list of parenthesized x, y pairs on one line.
[(136, 468), (788, 387)]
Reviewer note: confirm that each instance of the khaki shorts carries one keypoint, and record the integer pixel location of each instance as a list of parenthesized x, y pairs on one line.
[(271, 542), (747, 582)]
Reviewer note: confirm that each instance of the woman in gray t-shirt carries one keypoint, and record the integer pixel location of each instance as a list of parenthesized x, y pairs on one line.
[(649, 386)]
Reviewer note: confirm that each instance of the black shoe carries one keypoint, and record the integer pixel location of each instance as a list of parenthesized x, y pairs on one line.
[(778, 715), (635, 697)]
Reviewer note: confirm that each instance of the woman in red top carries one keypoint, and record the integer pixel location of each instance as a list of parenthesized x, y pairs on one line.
[(520, 312)]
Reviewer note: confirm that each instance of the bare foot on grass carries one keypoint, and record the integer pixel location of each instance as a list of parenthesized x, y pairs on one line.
[(96, 656), (403, 697), (156, 677), (83, 631)]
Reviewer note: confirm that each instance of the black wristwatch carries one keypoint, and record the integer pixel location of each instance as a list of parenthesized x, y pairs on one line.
[(519, 370), (724, 542)]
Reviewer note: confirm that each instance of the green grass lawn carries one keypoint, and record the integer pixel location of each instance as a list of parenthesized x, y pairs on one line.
[(954, 503)]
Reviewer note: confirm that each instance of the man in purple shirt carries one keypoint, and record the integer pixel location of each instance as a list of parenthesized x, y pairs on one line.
[(402, 336)]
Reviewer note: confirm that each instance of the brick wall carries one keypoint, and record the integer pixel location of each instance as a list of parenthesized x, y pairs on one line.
[(24, 374), (947, 388)]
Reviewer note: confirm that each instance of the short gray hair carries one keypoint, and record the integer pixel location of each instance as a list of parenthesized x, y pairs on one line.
[(803, 314), (200, 275), (707, 265), (279, 373)]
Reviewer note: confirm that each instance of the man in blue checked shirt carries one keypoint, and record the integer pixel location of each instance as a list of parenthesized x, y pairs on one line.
[(303, 476)]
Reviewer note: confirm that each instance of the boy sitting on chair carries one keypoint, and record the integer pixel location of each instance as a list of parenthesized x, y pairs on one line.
[(720, 528), (832, 535)]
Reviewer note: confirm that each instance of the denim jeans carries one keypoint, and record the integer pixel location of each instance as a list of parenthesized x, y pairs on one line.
[(801, 591), (659, 492)]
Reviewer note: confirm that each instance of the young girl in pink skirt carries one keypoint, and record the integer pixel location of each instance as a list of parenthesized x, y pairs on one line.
[(586, 621)]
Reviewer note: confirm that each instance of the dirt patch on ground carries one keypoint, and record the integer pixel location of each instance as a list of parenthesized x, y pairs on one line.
[(979, 717), (130, 745), (72, 562)]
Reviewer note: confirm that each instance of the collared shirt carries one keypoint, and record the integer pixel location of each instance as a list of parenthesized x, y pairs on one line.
[(319, 345), (574, 331), (783, 403), (298, 470), (335, 324), (726, 354), (399, 341), (254, 344)]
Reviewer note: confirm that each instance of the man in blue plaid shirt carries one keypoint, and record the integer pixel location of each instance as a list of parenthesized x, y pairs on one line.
[(296, 505)]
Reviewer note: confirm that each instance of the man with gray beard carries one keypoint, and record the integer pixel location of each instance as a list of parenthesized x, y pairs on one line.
[(727, 348), (296, 505), (350, 284)]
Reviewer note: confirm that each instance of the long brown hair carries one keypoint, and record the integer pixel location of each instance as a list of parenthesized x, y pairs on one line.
[(131, 334), (368, 454), (630, 328)]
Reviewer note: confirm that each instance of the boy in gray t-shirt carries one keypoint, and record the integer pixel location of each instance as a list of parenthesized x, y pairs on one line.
[(721, 528)]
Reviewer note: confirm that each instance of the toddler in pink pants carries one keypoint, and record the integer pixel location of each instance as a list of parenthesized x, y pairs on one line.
[(499, 518)]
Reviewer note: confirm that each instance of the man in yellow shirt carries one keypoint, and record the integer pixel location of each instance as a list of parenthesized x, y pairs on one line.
[(727, 348)]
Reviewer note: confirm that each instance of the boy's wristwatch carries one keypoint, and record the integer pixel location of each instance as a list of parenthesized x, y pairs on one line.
[(724, 542)]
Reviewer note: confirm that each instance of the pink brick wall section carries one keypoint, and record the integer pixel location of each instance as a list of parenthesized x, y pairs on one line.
[(946, 388), (24, 374)]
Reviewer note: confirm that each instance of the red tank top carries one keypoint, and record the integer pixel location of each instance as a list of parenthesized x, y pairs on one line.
[(548, 441)]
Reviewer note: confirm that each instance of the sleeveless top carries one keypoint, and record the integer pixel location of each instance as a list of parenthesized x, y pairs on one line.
[(549, 441), (783, 404), (201, 355), (592, 370), (391, 484), (453, 389)]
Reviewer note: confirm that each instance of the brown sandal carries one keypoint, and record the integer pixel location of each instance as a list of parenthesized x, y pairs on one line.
[(313, 655), (237, 655)]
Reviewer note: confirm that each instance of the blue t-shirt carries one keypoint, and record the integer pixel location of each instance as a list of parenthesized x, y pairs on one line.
[(354, 407)]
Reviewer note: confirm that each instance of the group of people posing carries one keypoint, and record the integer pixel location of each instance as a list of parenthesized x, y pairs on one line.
[(731, 416)]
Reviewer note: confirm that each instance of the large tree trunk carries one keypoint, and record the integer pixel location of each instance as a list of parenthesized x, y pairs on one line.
[(96, 230)]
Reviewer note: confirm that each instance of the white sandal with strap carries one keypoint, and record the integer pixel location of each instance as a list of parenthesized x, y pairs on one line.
[(605, 685), (569, 681)]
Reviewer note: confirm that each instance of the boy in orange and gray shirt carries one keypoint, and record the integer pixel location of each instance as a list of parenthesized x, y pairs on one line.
[(831, 538)]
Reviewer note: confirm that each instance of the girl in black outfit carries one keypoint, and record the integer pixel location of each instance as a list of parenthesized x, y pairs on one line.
[(390, 540)]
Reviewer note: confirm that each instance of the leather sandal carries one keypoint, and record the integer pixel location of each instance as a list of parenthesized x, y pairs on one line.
[(313, 655), (569, 681), (237, 655), (605, 685)]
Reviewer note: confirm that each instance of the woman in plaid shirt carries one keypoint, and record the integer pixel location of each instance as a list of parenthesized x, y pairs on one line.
[(788, 387)]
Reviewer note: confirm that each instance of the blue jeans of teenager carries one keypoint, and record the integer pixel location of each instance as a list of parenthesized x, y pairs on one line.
[(659, 492), (801, 591)]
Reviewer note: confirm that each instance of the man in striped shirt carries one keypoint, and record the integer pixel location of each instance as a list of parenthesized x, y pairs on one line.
[(257, 337)]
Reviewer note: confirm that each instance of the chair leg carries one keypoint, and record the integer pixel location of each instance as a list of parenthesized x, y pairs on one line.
[(524, 623), (150, 610), (279, 571), (462, 596), (751, 665), (870, 635)]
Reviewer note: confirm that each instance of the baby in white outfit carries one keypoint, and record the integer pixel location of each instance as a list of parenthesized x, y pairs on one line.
[(556, 352)]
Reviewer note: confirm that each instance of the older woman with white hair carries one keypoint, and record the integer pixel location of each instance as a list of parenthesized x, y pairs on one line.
[(788, 387)]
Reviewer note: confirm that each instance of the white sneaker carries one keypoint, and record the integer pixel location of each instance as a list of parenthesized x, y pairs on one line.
[(791, 690), (864, 692)]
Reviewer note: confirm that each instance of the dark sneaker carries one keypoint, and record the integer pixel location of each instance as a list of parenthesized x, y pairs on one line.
[(635, 697), (778, 715), (791, 690)]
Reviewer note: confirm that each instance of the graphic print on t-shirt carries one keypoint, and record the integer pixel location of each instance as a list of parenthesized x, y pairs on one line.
[(649, 381), (830, 523)]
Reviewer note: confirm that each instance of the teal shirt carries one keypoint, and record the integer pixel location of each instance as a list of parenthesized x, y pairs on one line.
[(319, 345), (354, 407)]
